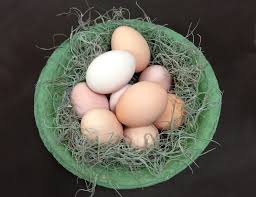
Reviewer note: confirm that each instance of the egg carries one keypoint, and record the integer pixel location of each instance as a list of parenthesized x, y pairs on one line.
[(141, 104), (101, 125), (83, 99), (114, 97), (127, 38), (157, 74), (110, 71), (141, 137), (173, 115)]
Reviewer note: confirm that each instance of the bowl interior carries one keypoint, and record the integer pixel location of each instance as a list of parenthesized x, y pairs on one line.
[(121, 179)]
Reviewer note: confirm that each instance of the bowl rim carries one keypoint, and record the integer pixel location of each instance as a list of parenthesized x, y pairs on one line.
[(117, 179)]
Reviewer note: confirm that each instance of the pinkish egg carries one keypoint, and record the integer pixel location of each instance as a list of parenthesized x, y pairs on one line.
[(114, 97), (83, 99), (141, 137), (157, 74)]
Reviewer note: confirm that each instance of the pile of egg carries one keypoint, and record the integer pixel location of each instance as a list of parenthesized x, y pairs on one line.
[(111, 109)]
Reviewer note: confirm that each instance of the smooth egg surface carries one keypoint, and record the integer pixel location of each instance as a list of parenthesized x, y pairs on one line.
[(101, 125), (83, 99), (128, 39), (157, 74), (110, 71), (141, 104), (114, 97)]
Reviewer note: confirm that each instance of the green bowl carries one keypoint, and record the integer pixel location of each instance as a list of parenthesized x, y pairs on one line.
[(122, 179)]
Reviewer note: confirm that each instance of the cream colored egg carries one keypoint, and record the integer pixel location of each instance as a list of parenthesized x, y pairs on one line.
[(157, 74), (114, 97), (173, 115), (110, 71), (101, 125), (141, 137), (141, 104), (83, 99), (128, 39)]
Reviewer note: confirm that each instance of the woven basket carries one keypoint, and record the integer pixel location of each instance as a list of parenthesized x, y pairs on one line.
[(122, 179)]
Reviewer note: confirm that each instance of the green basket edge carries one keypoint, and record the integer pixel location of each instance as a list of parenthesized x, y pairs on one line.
[(65, 159)]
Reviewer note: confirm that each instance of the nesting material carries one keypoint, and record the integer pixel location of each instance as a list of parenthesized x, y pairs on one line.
[(179, 59)]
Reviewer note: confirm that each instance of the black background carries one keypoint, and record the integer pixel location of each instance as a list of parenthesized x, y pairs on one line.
[(228, 30)]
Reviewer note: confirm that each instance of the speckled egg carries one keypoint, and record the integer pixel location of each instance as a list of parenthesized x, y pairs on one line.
[(173, 115)]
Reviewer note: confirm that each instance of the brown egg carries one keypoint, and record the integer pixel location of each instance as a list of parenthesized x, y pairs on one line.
[(128, 39), (83, 99), (101, 125), (141, 104), (157, 74), (173, 115), (141, 137)]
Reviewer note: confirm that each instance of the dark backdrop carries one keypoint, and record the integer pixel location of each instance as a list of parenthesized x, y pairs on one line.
[(228, 31)]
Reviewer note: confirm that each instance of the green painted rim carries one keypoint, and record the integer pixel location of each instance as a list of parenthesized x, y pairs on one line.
[(122, 179)]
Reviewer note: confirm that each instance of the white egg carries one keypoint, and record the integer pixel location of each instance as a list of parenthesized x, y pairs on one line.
[(110, 71)]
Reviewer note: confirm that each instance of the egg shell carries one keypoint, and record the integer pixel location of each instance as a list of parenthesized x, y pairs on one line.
[(110, 71), (83, 99), (141, 137), (101, 125), (157, 74), (127, 38), (173, 115), (141, 104), (114, 97)]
